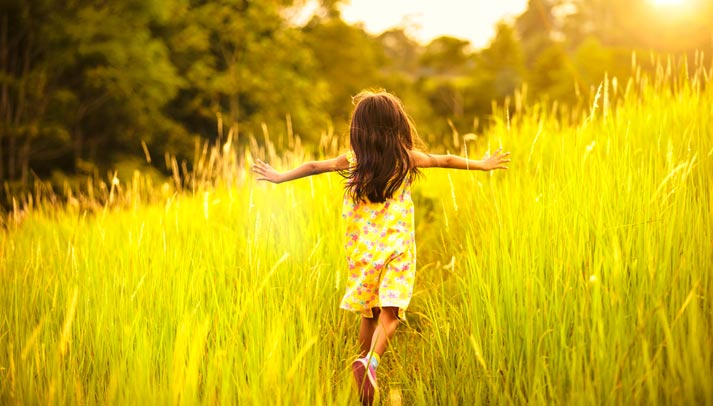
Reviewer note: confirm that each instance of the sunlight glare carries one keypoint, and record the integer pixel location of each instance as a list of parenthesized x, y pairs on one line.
[(666, 3)]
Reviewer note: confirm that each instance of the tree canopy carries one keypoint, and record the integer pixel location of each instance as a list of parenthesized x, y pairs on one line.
[(84, 84)]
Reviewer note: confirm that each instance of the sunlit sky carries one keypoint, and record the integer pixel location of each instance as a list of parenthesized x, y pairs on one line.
[(473, 20)]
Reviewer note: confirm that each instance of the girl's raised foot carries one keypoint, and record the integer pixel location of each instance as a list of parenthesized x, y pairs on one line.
[(365, 377)]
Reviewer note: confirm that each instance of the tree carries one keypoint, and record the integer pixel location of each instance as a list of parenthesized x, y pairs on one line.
[(536, 27), (592, 62), (553, 75), (121, 76), (347, 59), (243, 60), (23, 80), (82, 84), (502, 62), (80, 93), (446, 56), (401, 52)]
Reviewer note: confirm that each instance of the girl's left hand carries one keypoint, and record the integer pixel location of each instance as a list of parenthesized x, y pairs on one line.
[(266, 172)]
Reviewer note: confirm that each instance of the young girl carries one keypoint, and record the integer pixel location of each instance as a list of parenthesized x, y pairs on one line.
[(380, 246)]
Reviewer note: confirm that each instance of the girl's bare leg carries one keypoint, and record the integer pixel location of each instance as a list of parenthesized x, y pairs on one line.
[(388, 321), (366, 331)]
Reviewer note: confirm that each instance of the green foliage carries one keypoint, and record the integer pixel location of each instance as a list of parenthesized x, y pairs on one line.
[(243, 62), (553, 74), (536, 27), (446, 56), (502, 63), (347, 59), (96, 87), (88, 84)]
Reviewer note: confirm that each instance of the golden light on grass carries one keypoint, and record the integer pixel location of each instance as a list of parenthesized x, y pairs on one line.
[(231, 294), (65, 338)]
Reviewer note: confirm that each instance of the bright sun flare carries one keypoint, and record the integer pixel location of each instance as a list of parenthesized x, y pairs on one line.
[(668, 2)]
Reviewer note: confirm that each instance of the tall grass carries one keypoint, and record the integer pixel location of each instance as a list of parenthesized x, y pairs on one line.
[(580, 276)]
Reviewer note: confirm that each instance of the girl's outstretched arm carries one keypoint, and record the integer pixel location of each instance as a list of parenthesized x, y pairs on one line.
[(268, 173), (488, 163)]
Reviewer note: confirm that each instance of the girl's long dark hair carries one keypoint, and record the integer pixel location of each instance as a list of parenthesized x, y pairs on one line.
[(381, 135)]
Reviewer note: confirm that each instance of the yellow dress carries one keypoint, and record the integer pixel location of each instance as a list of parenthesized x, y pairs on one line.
[(381, 252)]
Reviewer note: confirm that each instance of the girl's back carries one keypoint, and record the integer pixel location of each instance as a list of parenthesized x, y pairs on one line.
[(380, 250)]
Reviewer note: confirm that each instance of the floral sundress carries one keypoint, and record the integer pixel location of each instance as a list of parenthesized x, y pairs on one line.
[(381, 252)]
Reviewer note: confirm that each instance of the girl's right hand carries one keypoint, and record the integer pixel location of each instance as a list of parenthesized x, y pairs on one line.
[(496, 161), (266, 172)]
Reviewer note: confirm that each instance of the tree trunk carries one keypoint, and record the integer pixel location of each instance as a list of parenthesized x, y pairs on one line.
[(4, 105), (11, 156), (20, 107), (25, 161), (77, 145), (2, 161), (457, 103), (93, 150)]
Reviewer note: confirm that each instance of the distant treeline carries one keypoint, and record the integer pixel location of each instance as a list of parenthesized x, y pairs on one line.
[(86, 85)]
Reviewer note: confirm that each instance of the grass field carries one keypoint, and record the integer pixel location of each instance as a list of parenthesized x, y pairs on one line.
[(582, 275)]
